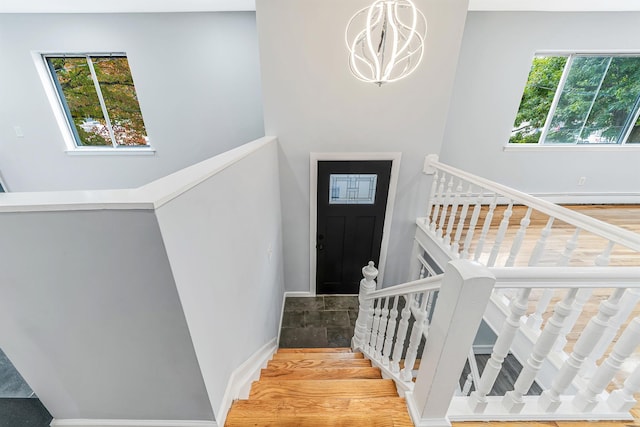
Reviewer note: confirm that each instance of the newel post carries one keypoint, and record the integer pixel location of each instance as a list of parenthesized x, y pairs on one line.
[(365, 310), (464, 294)]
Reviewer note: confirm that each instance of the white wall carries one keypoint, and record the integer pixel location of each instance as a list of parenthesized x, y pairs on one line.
[(90, 316), (313, 104), (494, 63), (196, 76), (223, 239)]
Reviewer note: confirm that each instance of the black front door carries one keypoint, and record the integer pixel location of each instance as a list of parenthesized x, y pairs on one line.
[(352, 198)]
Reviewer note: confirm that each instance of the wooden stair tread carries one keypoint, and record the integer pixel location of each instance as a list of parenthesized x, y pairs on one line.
[(316, 350), (320, 373), (274, 389), (289, 356), (318, 363), (388, 411)]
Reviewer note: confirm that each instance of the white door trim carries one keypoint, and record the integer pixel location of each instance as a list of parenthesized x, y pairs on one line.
[(395, 158)]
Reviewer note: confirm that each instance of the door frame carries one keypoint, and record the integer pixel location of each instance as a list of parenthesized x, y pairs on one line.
[(314, 158)]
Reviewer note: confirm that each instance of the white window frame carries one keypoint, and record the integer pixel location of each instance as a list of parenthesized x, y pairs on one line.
[(574, 145), (60, 113)]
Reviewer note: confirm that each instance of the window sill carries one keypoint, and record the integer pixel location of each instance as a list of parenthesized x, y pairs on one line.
[(107, 151), (571, 147)]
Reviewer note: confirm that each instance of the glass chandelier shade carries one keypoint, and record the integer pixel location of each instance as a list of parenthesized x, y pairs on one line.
[(386, 41)]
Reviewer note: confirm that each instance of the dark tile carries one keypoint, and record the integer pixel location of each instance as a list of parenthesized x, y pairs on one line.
[(20, 412), (339, 337), (293, 319), (304, 303), (353, 316), (329, 319), (340, 303), (303, 337), (11, 382)]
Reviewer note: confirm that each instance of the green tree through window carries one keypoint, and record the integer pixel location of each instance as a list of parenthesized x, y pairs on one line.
[(99, 99), (580, 99)]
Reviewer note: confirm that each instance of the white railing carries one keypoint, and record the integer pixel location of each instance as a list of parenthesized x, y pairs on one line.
[(471, 217), (393, 321), (483, 228)]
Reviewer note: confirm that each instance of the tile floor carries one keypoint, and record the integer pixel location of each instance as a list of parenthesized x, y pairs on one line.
[(322, 321)]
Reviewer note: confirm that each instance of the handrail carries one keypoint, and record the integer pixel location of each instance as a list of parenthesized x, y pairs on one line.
[(611, 232), (562, 277), (427, 284), (532, 277)]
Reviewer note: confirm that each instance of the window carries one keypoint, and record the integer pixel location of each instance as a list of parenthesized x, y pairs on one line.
[(352, 189), (99, 99), (580, 99)]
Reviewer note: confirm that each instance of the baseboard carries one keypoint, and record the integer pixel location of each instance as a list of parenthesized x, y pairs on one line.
[(241, 378), (298, 294), (129, 423), (483, 349)]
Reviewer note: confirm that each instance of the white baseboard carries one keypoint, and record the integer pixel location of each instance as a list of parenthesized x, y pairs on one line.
[(129, 423), (298, 294), (241, 378), (483, 349)]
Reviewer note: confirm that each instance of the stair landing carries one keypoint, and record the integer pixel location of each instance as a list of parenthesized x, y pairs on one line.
[(320, 387)]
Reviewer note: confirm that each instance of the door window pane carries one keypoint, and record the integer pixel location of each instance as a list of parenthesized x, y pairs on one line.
[(352, 189)]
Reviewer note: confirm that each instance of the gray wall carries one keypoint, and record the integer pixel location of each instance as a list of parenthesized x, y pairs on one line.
[(197, 76), (90, 316), (224, 241), (494, 63), (314, 104)]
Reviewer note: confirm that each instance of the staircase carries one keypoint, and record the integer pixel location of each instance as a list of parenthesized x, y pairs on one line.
[(320, 387)]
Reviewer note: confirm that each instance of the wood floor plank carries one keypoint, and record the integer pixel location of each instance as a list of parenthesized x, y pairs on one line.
[(355, 389), (319, 363), (280, 356), (320, 373), (320, 412)]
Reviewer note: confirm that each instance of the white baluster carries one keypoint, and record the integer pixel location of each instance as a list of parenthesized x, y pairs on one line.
[(538, 250), (517, 241), (371, 345), (550, 399), (485, 228), (587, 399), (398, 348), (455, 248), (432, 198), (414, 342), (582, 297), (445, 206), (472, 226), (452, 216), (382, 327), (572, 244), (535, 320), (627, 304), (434, 219), (365, 312), (430, 297), (467, 385), (622, 400), (502, 230), (391, 330), (518, 306), (512, 401)]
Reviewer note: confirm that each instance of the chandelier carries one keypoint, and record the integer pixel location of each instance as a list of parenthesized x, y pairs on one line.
[(385, 41)]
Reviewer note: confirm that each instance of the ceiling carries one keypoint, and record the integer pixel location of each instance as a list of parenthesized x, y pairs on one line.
[(123, 6)]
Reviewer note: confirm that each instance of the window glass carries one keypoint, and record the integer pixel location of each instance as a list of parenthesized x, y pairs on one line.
[(81, 100), (580, 99), (99, 99), (352, 189), (121, 100)]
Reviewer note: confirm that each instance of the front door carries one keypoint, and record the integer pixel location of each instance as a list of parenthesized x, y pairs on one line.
[(352, 199)]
